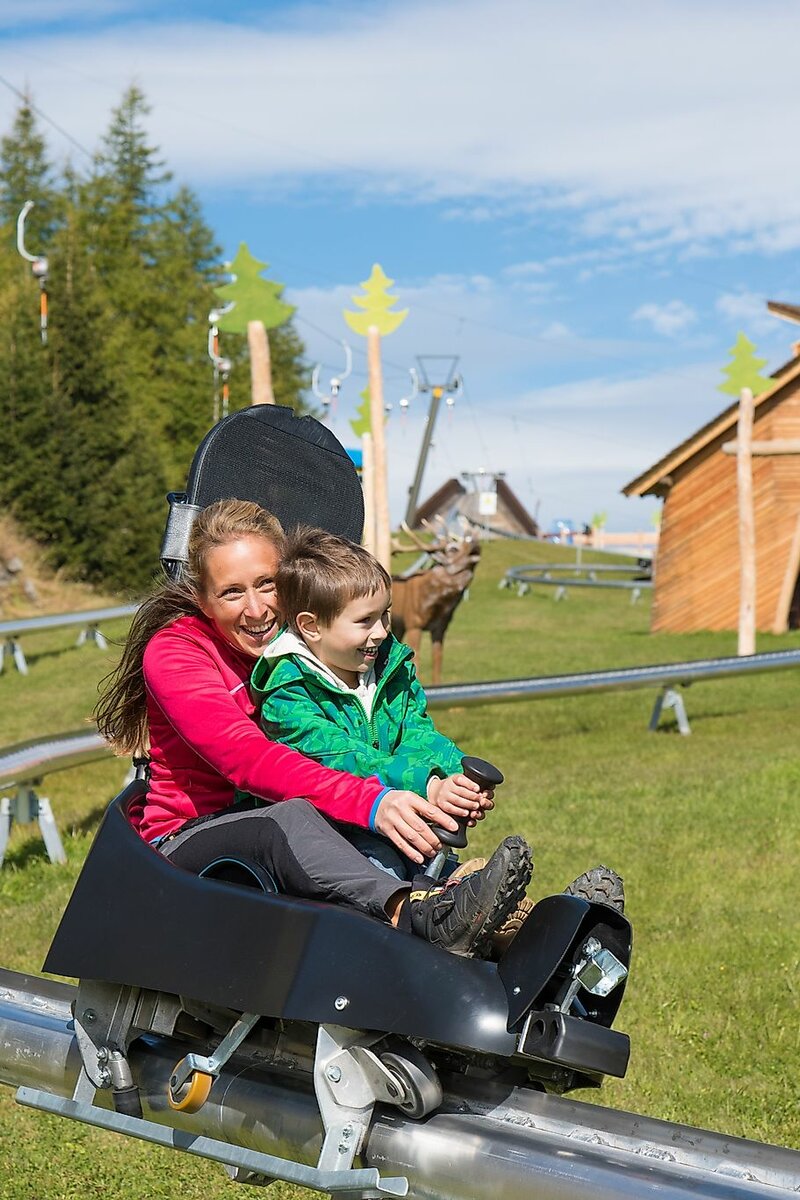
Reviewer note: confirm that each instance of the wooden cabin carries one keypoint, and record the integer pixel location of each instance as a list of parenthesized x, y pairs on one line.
[(697, 568), (452, 498)]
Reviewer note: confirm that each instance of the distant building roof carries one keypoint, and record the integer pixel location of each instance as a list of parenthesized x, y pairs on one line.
[(453, 498)]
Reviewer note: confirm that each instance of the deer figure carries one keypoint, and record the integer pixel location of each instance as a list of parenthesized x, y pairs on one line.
[(427, 599)]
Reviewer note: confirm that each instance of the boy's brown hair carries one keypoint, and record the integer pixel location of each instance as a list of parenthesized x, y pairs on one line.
[(321, 573)]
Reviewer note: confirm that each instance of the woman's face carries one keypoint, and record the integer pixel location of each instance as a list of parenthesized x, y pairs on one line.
[(239, 592)]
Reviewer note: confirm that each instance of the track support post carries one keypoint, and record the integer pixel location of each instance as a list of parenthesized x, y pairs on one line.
[(12, 647), (25, 807), (670, 698), (92, 634)]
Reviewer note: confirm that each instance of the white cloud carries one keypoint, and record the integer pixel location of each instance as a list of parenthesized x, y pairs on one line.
[(748, 311), (669, 319), (570, 446), (647, 123)]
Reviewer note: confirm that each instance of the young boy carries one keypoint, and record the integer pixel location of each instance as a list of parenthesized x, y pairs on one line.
[(338, 686)]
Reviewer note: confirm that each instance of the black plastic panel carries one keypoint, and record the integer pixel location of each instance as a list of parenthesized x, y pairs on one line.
[(292, 466), (135, 918)]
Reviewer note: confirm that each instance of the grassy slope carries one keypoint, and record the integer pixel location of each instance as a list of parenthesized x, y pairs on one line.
[(705, 830)]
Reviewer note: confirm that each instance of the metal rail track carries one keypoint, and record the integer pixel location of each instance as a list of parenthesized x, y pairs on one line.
[(488, 1141)]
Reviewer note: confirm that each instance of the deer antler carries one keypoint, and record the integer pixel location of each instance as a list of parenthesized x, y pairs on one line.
[(426, 547)]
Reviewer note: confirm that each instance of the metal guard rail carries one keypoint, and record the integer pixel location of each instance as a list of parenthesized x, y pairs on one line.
[(661, 675), (90, 616), (89, 619)]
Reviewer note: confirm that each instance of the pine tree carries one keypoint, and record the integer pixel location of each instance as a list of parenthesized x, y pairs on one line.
[(95, 499), (363, 424), (744, 369), (26, 174), (377, 304)]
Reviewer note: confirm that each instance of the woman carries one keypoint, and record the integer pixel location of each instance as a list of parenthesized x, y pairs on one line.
[(180, 694)]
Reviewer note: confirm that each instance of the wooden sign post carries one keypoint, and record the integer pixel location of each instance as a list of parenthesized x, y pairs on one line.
[(745, 449), (254, 307), (374, 321), (747, 530)]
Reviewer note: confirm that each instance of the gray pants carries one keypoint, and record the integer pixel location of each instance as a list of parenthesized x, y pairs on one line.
[(306, 853)]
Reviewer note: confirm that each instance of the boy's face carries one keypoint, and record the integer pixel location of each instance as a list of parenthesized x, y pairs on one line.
[(349, 645)]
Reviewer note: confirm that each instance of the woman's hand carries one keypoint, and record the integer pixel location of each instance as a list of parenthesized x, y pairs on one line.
[(461, 797), (406, 818)]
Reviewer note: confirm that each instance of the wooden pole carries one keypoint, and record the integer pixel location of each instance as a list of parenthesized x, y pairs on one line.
[(368, 485), (781, 622), (260, 366), (747, 536), (383, 535)]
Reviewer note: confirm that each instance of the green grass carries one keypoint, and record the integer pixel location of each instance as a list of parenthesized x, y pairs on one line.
[(705, 830)]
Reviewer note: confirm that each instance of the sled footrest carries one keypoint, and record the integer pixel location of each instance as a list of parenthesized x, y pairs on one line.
[(363, 1184)]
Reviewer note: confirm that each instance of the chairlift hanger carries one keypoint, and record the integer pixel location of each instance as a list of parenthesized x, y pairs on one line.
[(222, 366), (39, 267), (335, 384)]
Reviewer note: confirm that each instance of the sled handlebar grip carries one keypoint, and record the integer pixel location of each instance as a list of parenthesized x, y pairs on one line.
[(486, 776)]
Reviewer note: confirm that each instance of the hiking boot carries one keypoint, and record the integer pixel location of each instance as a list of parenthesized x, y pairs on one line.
[(461, 916), (600, 884), (505, 933)]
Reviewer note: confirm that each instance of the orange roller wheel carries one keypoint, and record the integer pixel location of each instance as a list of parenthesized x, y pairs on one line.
[(192, 1095)]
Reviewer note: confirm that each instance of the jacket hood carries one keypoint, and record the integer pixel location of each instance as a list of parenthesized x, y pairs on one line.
[(288, 645)]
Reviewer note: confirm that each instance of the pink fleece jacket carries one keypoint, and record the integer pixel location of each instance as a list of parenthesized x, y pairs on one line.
[(204, 741)]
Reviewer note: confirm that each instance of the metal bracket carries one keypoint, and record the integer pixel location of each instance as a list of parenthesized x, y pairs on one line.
[(670, 698), (213, 1064), (107, 1018), (349, 1079), (366, 1183), (26, 806)]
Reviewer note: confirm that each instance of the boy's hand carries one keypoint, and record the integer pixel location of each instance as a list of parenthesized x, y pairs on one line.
[(461, 797), (406, 818)]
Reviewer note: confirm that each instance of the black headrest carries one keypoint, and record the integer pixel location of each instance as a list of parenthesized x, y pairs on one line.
[(292, 466)]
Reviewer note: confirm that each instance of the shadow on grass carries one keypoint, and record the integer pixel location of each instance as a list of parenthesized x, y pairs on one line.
[(31, 850), (89, 822)]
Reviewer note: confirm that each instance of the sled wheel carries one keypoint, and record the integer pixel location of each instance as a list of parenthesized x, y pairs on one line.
[(192, 1095), (422, 1091)]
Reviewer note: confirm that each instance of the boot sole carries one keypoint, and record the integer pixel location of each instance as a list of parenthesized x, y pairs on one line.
[(601, 885), (508, 895)]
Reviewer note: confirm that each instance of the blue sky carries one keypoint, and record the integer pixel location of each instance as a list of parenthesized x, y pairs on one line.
[(584, 202)]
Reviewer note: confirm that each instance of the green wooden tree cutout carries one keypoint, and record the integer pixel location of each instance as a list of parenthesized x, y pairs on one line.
[(255, 299), (376, 303), (364, 422), (744, 369)]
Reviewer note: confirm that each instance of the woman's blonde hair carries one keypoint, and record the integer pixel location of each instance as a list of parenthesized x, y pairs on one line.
[(121, 712)]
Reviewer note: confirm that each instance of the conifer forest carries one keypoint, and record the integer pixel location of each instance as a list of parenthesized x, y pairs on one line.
[(101, 419)]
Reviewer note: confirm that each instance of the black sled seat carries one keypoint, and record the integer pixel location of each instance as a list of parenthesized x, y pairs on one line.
[(136, 919)]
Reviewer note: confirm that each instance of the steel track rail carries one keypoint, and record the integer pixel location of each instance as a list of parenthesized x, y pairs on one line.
[(30, 761), (487, 1142)]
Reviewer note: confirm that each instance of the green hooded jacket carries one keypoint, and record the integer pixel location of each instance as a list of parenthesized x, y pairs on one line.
[(398, 742)]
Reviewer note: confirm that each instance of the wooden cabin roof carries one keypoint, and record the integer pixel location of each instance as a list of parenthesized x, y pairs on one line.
[(517, 509), (656, 479), (789, 312)]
